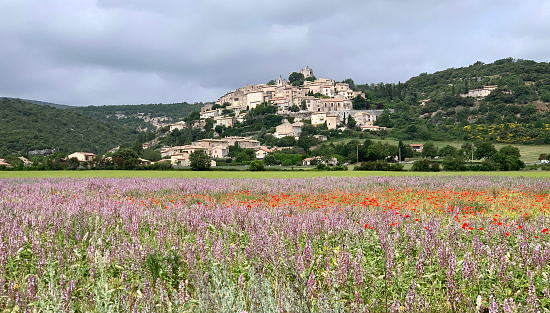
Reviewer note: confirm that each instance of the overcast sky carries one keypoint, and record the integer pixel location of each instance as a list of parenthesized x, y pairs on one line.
[(92, 52)]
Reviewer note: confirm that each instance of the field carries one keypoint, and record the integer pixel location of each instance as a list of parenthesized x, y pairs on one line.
[(248, 174), (312, 244)]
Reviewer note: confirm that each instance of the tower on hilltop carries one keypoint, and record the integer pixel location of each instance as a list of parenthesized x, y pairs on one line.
[(307, 72)]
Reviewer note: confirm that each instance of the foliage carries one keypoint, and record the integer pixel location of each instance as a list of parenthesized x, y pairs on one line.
[(270, 159), (324, 167), (296, 79), (378, 166), (125, 158), (425, 165), (351, 123), (199, 160), (26, 126), (359, 103), (257, 166), (133, 116), (429, 150), (289, 159)]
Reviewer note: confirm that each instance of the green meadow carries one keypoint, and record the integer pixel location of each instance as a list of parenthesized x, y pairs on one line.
[(247, 174)]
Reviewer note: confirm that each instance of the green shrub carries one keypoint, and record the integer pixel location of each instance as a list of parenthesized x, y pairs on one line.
[(257, 166)]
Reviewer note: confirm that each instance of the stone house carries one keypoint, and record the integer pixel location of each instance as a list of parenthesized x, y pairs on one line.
[(331, 120), (319, 160), (226, 121), (82, 156), (288, 129), (262, 152), (417, 147)]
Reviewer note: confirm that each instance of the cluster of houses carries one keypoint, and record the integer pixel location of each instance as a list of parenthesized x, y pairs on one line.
[(331, 105), (334, 96), (215, 148)]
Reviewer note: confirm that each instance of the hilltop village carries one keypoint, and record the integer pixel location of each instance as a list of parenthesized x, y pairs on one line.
[(320, 101)]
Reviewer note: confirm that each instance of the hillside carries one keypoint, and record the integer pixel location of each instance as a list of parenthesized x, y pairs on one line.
[(516, 112), (26, 126), (53, 105), (144, 116)]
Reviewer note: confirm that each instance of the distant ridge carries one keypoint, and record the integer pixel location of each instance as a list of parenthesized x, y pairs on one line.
[(53, 105)]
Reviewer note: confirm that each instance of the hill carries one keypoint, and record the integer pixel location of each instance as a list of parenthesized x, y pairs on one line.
[(517, 111), (144, 116), (53, 105), (26, 126)]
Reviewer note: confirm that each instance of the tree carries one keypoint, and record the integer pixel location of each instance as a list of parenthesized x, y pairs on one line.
[(270, 159), (296, 79), (271, 83), (257, 166), (303, 105), (351, 122), (405, 151), (199, 160), (126, 158), (359, 103), (511, 151), (245, 155), (429, 150), (193, 116), (384, 120), (484, 150), (306, 141), (448, 150), (294, 108), (376, 151), (208, 124), (287, 141), (350, 82), (423, 165), (72, 163), (508, 159)]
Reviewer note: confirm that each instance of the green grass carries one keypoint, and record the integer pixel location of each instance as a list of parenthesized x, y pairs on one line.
[(222, 174)]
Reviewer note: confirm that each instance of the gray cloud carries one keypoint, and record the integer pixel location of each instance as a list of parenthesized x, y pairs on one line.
[(138, 51)]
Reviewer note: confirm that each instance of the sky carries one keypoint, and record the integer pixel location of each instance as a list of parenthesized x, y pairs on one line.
[(99, 52)]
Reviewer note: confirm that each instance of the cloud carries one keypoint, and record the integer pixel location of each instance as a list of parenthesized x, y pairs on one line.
[(137, 51)]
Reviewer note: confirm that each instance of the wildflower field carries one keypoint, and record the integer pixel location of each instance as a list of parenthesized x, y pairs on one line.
[(323, 244)]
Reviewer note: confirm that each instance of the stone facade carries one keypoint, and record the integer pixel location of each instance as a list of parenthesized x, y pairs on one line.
[(288, 129), (283, 95)]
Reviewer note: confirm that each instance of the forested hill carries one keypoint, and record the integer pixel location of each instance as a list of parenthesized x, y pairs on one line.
[(140, 116), (518, 111), (26, 126), (527, 80), (53, 105)]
